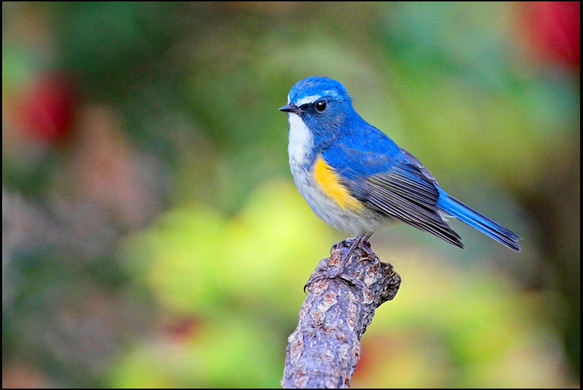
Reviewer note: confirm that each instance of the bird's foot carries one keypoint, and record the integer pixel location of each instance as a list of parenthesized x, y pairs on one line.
[(333, 266)]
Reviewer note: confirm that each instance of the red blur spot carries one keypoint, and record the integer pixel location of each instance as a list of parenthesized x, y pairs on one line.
[(46, 109), (553, 30)]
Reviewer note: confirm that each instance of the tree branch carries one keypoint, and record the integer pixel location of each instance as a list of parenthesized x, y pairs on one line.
[(325, 347)]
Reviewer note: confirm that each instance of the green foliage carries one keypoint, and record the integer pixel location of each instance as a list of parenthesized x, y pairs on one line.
[(234, 276), (195, 260)]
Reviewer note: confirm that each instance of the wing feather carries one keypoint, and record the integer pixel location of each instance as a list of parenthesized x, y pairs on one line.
[(406, 194), (391, 181)]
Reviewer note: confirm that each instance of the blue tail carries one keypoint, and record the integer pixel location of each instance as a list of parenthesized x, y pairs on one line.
[(457, 209)]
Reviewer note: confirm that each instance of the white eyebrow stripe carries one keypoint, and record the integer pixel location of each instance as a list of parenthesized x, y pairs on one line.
[(311, 99), (307, 100)]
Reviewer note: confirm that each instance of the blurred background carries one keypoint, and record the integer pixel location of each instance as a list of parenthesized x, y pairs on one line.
[(152, 235)]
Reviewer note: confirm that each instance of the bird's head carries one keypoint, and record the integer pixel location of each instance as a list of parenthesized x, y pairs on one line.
[(322, 103)]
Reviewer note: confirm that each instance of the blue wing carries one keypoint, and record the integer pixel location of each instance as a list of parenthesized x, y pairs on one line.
[(393, 182), (390, 180)]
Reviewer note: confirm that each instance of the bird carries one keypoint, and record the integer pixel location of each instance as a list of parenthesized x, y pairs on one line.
[(357, 179)]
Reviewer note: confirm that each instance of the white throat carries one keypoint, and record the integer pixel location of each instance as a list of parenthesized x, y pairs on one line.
[(300, 140)]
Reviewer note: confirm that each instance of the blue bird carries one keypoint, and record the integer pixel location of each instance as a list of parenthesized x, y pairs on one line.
[(355, 178)]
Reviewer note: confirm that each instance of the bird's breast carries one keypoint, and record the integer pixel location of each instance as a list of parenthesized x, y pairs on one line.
[(301, 141), (322, 187)]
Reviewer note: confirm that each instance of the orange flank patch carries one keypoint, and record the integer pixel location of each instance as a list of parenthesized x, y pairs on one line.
[(329, 182)]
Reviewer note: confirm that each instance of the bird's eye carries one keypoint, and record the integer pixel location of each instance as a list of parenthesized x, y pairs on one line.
[(321, 105)]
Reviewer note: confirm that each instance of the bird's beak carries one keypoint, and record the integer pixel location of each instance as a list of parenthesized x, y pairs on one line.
[(291, 108)]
